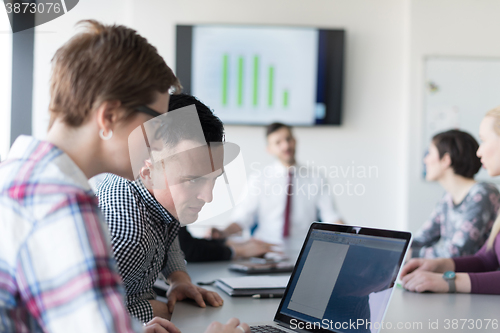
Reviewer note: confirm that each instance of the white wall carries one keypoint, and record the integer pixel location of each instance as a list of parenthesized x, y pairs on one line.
[(374, 88), (374, 114), (448, 28), (387, 41), (51, 35), (5, 84)]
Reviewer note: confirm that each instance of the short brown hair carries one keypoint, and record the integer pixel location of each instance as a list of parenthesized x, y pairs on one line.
[(462, 148), (271, 128), (104, 63)]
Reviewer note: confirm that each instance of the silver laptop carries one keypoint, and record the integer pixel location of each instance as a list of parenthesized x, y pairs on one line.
[(342, 282)]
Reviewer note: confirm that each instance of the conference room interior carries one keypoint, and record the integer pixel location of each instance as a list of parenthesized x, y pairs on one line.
[(376, 131)]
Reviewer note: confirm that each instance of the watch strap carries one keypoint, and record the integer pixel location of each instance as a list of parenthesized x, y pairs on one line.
[(452, 285)]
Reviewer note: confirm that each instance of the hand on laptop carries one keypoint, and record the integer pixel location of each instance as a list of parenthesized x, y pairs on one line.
[(181, 288), (160, 325), (232, 326)]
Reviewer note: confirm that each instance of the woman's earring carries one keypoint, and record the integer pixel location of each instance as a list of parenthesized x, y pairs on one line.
[(107, 137)]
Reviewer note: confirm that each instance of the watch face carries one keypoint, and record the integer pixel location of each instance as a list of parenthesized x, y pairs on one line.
[(449, 275)]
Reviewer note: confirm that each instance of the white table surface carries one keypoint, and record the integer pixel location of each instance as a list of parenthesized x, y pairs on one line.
[(406, 308)]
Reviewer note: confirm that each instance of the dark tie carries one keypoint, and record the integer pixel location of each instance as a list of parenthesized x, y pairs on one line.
[(288, 207)]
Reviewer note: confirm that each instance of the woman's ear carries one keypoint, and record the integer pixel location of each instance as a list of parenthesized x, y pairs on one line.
[(108, 114), (145, 174), (446, 160)]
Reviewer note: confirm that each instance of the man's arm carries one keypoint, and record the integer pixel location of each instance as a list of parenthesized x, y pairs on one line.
[(175, 259), (231, 229), (200, 249), (245, 213), (325, 204)]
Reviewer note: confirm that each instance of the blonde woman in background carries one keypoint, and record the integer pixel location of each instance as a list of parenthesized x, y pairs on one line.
[(477, 274)]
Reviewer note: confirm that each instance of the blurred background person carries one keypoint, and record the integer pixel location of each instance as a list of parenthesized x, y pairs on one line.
[(476, 274), (285, 197), (462, 219)]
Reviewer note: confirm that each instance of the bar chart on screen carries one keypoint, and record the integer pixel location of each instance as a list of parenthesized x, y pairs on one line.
[(256, 75), (253, 80)]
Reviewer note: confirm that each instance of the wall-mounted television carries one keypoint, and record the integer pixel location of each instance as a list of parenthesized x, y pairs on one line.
[(255, 75)]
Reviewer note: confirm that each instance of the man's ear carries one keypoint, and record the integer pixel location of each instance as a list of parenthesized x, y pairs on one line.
[(145, 174)]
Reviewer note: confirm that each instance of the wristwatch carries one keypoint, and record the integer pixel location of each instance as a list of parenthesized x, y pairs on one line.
[(450, 277)]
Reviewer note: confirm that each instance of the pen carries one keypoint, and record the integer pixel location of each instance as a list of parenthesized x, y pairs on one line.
[(267, 296)]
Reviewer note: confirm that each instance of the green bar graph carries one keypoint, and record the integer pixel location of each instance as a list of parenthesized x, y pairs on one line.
[(245, 88), (255, 80), (285, 98), (240, 81), (270, 87), (225, 78)]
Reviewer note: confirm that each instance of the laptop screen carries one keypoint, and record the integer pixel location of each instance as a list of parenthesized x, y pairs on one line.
[(342, 281)]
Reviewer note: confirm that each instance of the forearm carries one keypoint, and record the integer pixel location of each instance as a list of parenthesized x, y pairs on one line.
[(444, 265), (178, 277), (175, 259), (142, 310), (485, 283), (463, 283), (231, 229)]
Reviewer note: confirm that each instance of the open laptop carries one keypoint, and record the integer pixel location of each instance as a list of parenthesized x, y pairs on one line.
[(342, 282)]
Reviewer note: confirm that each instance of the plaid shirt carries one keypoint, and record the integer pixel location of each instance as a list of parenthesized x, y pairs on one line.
[(56, 271), (144, 238)]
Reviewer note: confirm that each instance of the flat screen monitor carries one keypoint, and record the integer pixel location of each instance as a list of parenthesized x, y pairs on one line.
[(255, 75)]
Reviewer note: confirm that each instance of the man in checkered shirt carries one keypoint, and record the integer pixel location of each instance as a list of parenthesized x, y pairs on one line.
[(144, 224)]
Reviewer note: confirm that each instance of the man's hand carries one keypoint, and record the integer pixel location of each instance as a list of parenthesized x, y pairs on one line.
[(160, 309), (233, 228), (251, 248), (232, 326), (160, 325), (181, 288), (217, 234)]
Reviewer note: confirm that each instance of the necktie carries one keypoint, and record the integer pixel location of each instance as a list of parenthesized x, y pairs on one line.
[(286, 227)]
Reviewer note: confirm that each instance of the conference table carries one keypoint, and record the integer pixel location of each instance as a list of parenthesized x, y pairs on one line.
[(407, 311)]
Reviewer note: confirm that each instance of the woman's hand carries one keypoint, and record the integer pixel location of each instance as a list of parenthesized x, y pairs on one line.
[(420, 281), (439, 265)]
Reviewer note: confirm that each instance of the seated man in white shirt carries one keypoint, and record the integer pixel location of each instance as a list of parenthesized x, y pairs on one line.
[(285, 197)]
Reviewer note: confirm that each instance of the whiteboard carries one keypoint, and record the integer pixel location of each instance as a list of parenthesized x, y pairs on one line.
[(458, 91)]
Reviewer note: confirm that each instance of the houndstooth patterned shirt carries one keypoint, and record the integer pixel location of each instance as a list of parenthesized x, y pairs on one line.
[(144, 239)]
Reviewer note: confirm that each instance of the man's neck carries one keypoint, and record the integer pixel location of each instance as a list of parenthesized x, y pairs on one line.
[(288, 164)]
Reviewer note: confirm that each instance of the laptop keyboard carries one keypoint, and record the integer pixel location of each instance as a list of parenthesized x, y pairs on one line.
[(266, 329)]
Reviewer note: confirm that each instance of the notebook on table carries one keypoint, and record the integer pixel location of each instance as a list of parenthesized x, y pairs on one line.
[(262, 268), (253, 285), (344, 275)]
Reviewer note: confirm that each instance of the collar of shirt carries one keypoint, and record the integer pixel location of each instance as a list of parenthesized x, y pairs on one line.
[(153, 206), (281, 170), (28, 147)]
